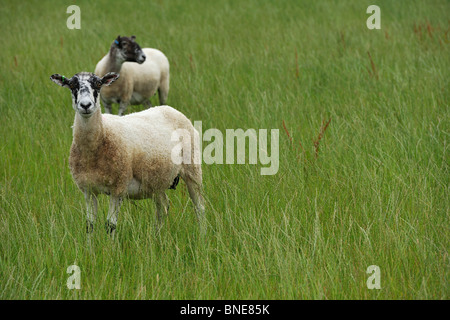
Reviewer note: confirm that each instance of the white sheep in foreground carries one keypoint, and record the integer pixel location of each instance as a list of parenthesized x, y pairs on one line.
[(130, 156), (142, 73)]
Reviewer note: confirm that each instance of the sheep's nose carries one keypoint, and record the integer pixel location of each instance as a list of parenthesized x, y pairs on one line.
[(85, 105), (143, 57)]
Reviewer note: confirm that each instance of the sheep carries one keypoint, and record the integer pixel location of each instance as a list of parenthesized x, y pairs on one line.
[(138, 81), (129, 156)]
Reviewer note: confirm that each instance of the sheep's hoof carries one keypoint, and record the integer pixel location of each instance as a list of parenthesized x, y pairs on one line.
[(110, 227), (89, 227)]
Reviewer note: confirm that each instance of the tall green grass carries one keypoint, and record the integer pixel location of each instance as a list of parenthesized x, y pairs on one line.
[(376, 192)]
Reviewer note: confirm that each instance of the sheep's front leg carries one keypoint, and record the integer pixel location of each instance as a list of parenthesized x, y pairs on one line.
[(108, 106), (91, 204), (113, 212), (123, 107)]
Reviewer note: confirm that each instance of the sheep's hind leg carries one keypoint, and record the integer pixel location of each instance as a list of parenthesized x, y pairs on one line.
[(195, 192), (114, 207), (162, 209), (162, 96), (91, 204), (163, 90)]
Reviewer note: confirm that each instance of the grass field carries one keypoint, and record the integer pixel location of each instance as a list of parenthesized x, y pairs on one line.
[(375, 192)]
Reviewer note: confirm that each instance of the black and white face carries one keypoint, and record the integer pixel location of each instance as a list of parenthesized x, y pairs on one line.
[(85, 87), (128, 50)]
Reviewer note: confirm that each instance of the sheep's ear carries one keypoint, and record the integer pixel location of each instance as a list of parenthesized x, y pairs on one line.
[(60, 80), (109, 78), (133, 38)]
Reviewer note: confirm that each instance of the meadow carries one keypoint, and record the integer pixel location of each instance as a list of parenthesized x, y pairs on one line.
[(363, 179)]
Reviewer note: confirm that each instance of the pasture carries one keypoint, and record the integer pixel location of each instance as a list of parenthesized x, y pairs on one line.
[(363, 179)]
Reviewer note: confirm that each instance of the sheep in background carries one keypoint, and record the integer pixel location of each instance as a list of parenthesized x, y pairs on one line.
[(139, 81), (130, 156)]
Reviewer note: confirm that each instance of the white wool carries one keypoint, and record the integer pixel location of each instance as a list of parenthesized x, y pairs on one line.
[(130, 156), (137, 82), (146, 133)]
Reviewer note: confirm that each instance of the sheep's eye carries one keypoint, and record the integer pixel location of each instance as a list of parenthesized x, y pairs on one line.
[(98, 84)]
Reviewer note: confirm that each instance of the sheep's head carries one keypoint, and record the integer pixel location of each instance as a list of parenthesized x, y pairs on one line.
[(128, 50), (85, 87)]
